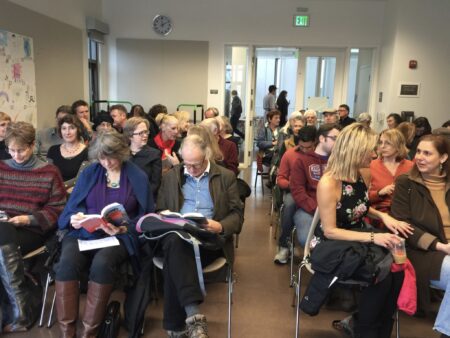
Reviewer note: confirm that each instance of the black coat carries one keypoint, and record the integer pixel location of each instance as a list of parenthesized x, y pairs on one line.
[(149, 160)]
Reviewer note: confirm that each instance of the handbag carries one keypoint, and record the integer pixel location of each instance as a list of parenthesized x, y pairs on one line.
[(111, 324)]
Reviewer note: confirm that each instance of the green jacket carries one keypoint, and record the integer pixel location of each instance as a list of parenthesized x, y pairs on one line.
[(228, 208)]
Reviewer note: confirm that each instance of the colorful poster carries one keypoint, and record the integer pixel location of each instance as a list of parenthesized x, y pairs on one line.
[(17, 77)]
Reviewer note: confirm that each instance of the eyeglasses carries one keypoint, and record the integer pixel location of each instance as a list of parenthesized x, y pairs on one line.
[(195, 166), (331, 137), (142, 133)]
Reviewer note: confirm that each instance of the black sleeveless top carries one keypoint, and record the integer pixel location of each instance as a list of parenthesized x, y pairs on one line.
[(353, 205)]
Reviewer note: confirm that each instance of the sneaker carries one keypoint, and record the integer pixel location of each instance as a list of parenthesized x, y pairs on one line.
[(282, 256), (197, 326), (176, 334)]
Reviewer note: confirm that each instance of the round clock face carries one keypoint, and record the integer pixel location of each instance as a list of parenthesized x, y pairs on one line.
[(162, 24)]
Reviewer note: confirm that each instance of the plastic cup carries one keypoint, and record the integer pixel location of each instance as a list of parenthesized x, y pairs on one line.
[(399, 252)]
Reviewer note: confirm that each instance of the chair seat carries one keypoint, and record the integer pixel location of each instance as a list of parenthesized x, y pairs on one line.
[(217, 264)]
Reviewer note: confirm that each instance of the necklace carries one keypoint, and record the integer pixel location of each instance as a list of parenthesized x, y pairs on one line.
[(74, 149), (114, 185)]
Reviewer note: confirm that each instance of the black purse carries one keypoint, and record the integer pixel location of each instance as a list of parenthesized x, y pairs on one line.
[(111, 324)]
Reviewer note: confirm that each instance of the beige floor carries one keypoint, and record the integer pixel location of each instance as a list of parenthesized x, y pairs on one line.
[(262, 296)]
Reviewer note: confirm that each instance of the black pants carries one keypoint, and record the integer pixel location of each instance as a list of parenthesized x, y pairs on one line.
[(104, 263), (234, 122), (181, 284), (27, 240), (377, 307)]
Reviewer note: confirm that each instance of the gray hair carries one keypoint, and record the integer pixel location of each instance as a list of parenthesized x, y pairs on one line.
[(197, 142), (109, 144), (364, 117)]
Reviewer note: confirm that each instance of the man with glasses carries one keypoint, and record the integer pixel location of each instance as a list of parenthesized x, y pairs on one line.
[(344, 119), (197, 185)]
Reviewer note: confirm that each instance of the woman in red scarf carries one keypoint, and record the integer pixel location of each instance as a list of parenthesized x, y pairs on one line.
[(166, 141)]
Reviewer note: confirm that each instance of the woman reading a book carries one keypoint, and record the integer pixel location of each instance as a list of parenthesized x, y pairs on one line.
[(113, 179), (32, 196)]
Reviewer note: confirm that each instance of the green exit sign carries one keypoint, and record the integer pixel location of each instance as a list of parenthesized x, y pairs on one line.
[(301, 20)]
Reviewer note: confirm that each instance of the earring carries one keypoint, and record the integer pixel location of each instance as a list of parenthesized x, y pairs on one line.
[(441, 167)]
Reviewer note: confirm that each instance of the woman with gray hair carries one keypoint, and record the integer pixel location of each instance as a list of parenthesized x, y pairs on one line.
[(365, 119), (111, 179)]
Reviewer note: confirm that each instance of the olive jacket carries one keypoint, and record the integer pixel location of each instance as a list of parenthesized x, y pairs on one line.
[(412, 203)]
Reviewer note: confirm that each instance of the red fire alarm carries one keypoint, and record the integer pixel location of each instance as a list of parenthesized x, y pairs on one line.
[(412, 64)]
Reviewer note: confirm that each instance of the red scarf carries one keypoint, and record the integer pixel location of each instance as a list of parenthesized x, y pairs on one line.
[(164, 145)]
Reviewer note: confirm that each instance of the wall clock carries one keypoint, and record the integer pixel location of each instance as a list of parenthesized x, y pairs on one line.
[(162, 25)]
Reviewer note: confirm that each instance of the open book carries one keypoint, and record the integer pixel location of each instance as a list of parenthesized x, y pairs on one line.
[(113, 213), (196, 217)]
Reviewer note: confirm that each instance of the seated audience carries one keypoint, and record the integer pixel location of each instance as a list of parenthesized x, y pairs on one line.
[(267, 138), (330, 116), (305, 175), (152, 113), (307, 138), (218, 200), (5, 120), (32, 195), (408, 130), (166, 141), (145, 157), (211, 112), (343, 203), (311, 117), (384, 170), (184, 122), (226, 131), (119, 115), (287, 130), (102, 122), (112, 179), (344, 118), (69, 156), (393, 120), (215, 154), (80, 108), (292, 140), (365, 119), (422, 199), (423, 127), (137, 111), (228, 148), (48, 137)]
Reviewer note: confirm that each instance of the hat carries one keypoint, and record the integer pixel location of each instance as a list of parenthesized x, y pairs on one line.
[(102, 116), (329, 111)]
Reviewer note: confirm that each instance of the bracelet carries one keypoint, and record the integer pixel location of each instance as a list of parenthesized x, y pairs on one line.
[(372, 237)]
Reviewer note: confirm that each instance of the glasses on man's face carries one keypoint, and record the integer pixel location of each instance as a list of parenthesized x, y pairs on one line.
[(21, 151), (333, 138), (194, 166), (142, 133)]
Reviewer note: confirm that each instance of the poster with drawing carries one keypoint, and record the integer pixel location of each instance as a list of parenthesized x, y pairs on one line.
[(17, 78)]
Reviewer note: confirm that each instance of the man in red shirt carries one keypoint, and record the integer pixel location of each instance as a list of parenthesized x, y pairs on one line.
[(305, 175), (306, 142)]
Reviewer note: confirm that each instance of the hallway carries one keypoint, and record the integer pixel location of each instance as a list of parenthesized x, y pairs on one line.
[(262, 297)]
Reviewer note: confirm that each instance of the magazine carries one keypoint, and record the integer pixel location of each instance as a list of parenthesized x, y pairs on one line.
[(113, 213), (195, 217)]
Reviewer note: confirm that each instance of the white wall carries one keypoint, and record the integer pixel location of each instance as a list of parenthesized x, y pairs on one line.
[(416, 30), (261, 23)]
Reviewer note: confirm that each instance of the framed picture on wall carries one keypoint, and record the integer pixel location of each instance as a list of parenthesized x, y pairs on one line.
[(408, 89)]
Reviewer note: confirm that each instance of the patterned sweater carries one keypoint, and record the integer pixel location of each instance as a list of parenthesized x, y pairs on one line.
[(38, 192)]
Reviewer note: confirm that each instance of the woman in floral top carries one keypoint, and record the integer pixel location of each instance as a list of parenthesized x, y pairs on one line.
[(343, 203)]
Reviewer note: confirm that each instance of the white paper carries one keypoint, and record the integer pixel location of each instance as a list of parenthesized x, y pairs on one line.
[(97, 243)]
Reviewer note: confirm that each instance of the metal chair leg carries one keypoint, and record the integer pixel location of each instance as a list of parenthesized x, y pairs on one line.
[(397, 324), (230, 294), (297, 303), (44, 299), (291, 254), (50, 316)]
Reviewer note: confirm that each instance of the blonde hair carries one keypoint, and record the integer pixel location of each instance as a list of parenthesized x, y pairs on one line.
[(397, 140), (225, 124), (212, 124), (353, 144), (198, 142), (165, 120), (408, 129), (4, 117), (215, 155)]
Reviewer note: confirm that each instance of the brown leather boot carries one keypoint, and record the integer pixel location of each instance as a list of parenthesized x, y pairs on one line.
[(95, 309), (67, 300)]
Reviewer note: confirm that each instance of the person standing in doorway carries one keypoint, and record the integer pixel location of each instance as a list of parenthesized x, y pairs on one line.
[(236, 112), (270, 99), (283, 104)]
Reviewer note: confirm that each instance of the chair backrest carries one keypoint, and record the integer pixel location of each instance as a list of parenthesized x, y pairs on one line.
[(307, 248)]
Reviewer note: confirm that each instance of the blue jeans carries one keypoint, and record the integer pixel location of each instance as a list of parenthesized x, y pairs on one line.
[(442, 323), (302, 221), (287, 219)]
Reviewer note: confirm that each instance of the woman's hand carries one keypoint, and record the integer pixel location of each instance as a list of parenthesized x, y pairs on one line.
[(387, 190), (75, 220), (386, 240), (213, 226), (20, 220), (113, 230), (397, 227), (172, 158)]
